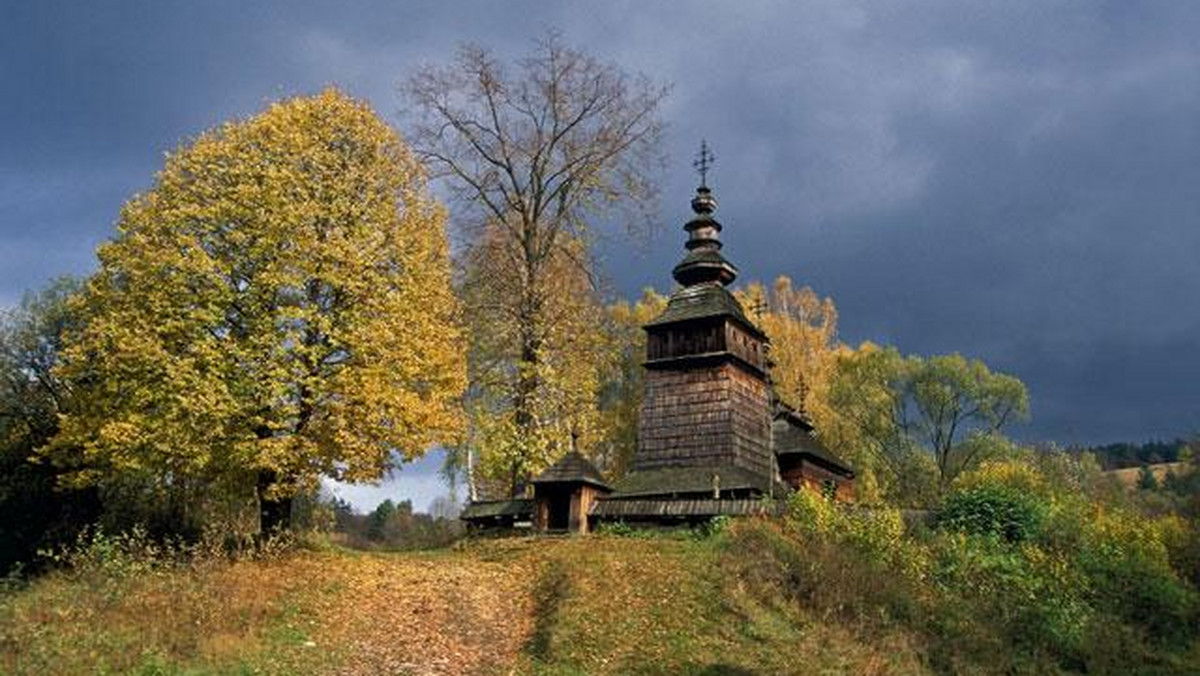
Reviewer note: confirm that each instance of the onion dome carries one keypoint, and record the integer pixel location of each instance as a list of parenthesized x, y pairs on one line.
[(703, 273), (704, 262)]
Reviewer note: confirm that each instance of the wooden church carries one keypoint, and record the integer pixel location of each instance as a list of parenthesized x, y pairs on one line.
[(712, 440)]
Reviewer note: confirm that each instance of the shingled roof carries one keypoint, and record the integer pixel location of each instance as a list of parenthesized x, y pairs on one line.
[(792, 434), (660, 508), (490, 509), (710, 299), (571, 468), (687, 481)]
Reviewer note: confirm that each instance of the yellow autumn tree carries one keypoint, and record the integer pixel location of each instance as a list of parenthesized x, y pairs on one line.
[(802, 327), (518, 429), (807, 364), (623, 384), (277, 307)]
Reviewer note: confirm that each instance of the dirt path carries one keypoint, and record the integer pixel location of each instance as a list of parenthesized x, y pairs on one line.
[(424, 616)]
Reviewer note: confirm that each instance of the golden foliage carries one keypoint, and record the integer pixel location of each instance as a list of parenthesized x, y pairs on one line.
[(802, 327), (1017, 475), (538, 354), (621, 398), (806, 370), (280, 300)]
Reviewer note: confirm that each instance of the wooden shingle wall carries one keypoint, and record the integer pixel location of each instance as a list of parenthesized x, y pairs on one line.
[(703, 416)]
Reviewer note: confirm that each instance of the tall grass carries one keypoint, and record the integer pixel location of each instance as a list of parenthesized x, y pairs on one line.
[(1010, 582)]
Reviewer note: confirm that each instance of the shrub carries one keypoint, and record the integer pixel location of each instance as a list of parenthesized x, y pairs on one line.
[(1182, 540), (876, 532), (1032, 597), (96, 553), (811, 513), (1020, 575), (780, 566), (855, 560), (1016, 475), (714, 527), (993, 510), (1006, 499), (1128, 565)]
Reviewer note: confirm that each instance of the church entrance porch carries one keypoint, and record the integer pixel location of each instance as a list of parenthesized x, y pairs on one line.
[(558, 508), (565, 493)]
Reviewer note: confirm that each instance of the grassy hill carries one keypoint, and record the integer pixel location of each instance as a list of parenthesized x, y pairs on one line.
[(1129, 476), (596, 605), (758, 597)]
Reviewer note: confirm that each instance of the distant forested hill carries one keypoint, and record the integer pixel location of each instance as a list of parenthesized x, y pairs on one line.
[(1122, 455)]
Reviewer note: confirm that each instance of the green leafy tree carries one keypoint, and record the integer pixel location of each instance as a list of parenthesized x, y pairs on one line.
[(378, 519), (275, 308), (949, 398), (35, 511), (1147, 481), (860, 418), (887, 408)]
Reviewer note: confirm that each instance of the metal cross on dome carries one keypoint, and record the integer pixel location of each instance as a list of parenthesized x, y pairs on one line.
[(704, 161)]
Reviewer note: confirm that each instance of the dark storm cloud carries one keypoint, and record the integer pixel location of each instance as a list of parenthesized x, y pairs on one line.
[(1015, 181), (1015, 184)]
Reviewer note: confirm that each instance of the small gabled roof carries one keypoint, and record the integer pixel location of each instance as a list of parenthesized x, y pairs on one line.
[(490, 509), (572, 468), (792, 434)]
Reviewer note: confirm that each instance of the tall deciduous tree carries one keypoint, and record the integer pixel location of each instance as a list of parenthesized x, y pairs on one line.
[(802, 327), (35, 512), (275, 308), (533, 157), (623, 384), (889, 406), (573, 356), (954, 399)]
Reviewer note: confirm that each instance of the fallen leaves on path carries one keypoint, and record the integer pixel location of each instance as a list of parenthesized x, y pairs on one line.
[(427, 615), (421, 614)]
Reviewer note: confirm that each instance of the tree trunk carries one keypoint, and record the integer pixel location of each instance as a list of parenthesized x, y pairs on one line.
[(472, 492), (513, 480), (527, 386), (274, 512)]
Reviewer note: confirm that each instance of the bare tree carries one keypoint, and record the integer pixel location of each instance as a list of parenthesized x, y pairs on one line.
[(531, 158)]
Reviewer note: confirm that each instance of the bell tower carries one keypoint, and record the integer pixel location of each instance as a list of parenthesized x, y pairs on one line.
[(706, 399)]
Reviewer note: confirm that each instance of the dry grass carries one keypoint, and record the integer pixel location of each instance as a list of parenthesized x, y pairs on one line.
[(596, 605), (339, 613), (212, 617), (1130, 475)]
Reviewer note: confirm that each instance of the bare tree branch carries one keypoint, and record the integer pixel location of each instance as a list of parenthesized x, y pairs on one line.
[(529, 158)]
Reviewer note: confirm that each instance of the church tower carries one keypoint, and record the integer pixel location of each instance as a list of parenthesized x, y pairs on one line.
[(705, 412), (710, 441)]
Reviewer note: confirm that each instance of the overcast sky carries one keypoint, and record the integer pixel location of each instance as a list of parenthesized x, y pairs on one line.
[(1016, 181)]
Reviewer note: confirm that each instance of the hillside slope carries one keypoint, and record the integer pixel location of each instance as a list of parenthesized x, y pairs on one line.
[(596, 605), (1129, 476)]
